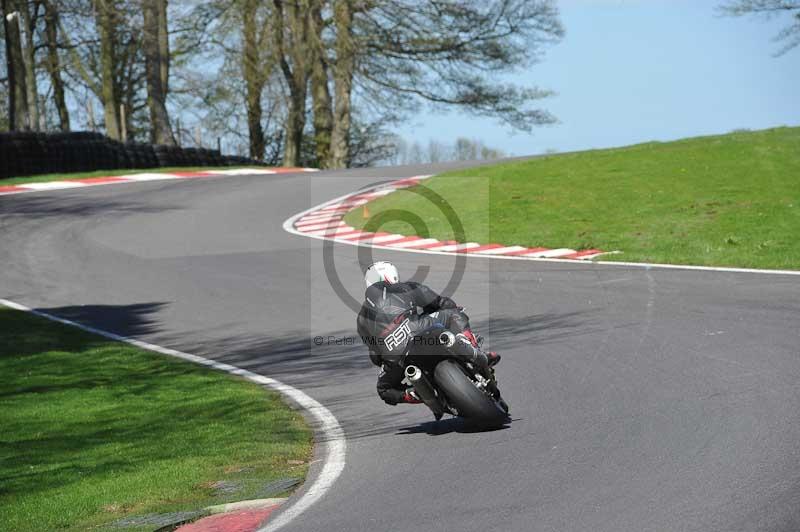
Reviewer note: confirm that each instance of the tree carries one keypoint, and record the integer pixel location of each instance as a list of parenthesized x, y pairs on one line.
[(320, 91), (256, 69), (4, 118), (451, 54), (290, 38), (437, 152), (465, 150), (155, 43), (343, 83), (106, 19), (370, 143), (4, 94), (29, 13), (103, 40), (789, 36), (319, 80), (332, 115), (226, 77), (398, 53), (19, 117), (54, 63)]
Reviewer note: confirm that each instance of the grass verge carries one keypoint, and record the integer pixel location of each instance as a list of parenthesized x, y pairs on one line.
[(727, 200), (96, 430), (105, 173)]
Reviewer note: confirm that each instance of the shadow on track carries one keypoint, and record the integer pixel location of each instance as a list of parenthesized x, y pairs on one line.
[(294, 352), (137, 319), (341, 376), (43, 206), (449, 425)]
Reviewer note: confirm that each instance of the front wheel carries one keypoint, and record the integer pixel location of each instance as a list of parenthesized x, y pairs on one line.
[(462, 393)]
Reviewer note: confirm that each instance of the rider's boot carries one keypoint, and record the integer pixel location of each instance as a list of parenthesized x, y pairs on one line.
[(471, 337), (476, 341), (462, 347), (411, 397)]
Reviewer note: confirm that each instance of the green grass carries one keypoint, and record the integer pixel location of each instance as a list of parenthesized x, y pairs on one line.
[(104, 173), (727, 200), (95, 430)]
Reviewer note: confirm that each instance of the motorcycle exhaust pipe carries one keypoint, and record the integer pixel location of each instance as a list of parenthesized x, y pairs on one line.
[(447, 339), (424, 390)]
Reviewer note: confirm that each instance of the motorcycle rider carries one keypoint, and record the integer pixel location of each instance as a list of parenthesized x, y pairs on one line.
[(390, 320)]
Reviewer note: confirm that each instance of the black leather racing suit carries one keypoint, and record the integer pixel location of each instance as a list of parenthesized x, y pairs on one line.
[(389, 319)]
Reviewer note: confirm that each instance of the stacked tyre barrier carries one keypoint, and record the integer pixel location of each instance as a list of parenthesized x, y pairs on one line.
[(28, 153)]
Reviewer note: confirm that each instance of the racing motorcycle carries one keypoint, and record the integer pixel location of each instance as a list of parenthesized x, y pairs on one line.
[(450, 385)]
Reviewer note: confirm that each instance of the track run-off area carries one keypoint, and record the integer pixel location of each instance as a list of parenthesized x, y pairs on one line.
[(643, 398)]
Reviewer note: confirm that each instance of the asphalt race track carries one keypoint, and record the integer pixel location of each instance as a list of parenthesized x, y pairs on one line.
[(643, 399)]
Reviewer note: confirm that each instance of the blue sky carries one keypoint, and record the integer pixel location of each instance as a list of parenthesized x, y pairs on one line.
[(630, 71)]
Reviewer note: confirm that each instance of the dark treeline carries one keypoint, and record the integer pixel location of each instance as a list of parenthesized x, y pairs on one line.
[(301, 82)]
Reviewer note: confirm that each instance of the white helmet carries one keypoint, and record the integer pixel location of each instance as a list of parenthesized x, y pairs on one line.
[(381, 271)]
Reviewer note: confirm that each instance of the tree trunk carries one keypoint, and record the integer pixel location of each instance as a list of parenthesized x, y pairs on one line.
[(298, 24), (296, 75), (254, 128), (253, 77), (126, 86), (163, 45), (9, 66), (29, 55), (343, 84), (104, 12), (160, 130), (17, 92), (320, 93), (295, 123), (54, 66)]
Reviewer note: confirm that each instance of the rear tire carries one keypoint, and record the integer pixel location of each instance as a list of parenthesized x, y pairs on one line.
[(468, 400)]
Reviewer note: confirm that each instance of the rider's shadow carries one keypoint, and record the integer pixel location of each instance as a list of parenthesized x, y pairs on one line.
[(447, 426)]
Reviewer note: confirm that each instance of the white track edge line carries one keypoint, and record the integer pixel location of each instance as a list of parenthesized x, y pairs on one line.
[(333, 434), (287, 226)]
